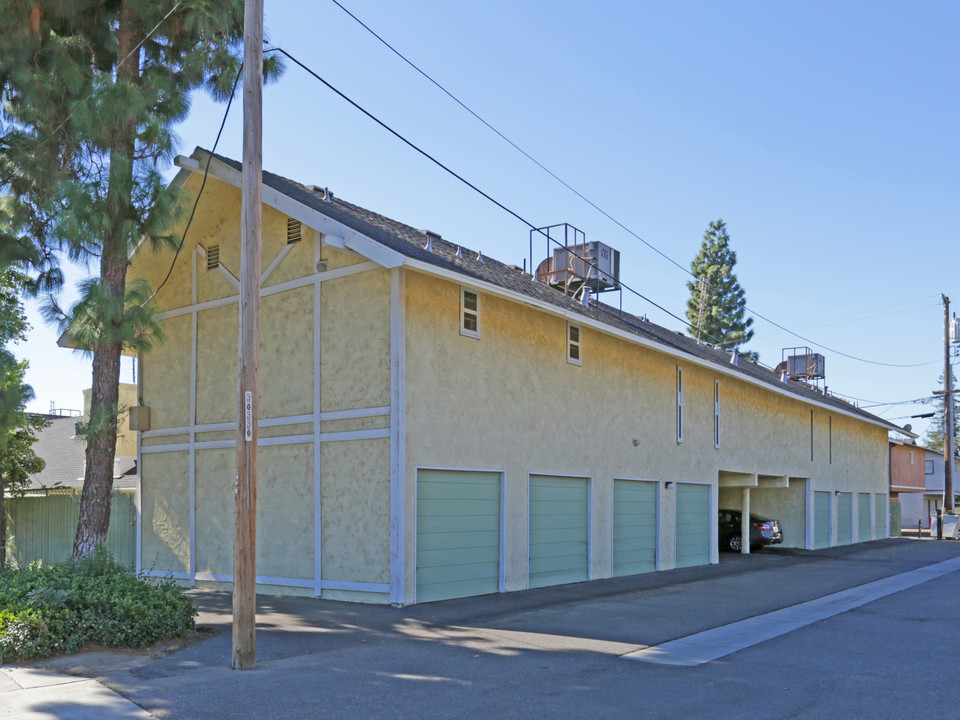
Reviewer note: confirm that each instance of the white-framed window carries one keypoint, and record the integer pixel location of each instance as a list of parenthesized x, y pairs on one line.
[(679, 404), (574, 348), (911, 457), (716, 413), (469, 313)]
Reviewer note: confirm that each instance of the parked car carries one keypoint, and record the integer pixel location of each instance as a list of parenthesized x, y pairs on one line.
[(763, 531)]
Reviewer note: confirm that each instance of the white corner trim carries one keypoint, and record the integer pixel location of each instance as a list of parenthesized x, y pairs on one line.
[(398, 454), (317, 419)]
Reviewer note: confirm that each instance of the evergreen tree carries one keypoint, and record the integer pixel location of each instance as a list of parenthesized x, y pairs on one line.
[(935, 433), (17, 429), (91, 89), (716, 309)]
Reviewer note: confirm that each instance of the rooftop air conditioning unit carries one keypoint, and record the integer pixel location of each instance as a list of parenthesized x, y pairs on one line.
[(809, 366), (593, 263)]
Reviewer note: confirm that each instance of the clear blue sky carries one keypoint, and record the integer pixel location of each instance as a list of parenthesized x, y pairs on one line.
[(824, 134)]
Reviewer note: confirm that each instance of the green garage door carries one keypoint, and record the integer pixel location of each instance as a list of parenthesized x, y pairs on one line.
[(634, 527), (844, 521), (863, 517), (821, 519), (693, 524), (458, 534), (558, 530)]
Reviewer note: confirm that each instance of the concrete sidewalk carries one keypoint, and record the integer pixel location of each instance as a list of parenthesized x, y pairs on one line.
[(424, 660), (29, 694)]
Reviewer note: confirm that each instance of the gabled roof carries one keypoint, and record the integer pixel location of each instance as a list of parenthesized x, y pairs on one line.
[(409, 245), (59, 446)]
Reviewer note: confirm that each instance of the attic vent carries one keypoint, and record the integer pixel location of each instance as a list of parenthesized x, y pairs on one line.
[(213, 257), (294, 231)]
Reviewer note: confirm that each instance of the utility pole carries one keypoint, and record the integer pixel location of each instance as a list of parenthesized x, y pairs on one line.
[(245, 525), (947, 412)]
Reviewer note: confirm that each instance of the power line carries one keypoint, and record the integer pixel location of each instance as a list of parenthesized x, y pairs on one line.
[(459, 177), (203, 184), (512, 143), (586, 199)]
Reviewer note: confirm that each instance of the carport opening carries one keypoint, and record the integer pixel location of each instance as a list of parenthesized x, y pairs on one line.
[(777, 507)]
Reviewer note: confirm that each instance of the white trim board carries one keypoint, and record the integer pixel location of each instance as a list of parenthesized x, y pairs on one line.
[(352, 239), (271, 422)]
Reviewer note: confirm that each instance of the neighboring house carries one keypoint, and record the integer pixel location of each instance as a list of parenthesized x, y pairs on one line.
[(42, 523), (435, 423), (917, 507), (906, 480)]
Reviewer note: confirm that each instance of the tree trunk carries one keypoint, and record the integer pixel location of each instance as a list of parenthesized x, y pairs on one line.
[(102, 440)]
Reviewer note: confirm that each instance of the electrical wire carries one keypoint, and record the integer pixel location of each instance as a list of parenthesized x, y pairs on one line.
[(459, 177), (512, 143), (203, 184), (594, 205)]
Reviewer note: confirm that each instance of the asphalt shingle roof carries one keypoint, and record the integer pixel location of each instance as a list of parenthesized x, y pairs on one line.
[(411, 243)]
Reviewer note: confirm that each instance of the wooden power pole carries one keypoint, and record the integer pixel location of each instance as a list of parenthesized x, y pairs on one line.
[(947, 412), (245, 525)]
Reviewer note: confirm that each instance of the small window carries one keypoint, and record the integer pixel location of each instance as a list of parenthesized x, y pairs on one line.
[(294, 231), (911, 457), (573, 345), (679, 404), (469, 313), (716, 413), (213, 257), (928, 467)]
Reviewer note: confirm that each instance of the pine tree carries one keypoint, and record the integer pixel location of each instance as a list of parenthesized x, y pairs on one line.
[(716, 309), (935, 433), (92, 89), (17, 429)]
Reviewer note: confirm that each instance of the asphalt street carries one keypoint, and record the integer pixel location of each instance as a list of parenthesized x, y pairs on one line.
[(562, 652)]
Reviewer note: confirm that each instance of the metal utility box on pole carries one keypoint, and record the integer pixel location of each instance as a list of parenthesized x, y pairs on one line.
[(245, 526)]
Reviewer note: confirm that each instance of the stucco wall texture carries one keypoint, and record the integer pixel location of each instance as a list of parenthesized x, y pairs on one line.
[(508, 402), (527, 410), (354, 373)]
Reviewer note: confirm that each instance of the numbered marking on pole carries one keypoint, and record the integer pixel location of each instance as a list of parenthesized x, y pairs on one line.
[(248, 416)]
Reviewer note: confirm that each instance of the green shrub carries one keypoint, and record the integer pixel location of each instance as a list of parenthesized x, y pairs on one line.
[(49, 609)]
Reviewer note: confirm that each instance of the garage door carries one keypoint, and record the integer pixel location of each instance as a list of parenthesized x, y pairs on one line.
[(558, 530), (821, 519), (458, 534), (693, 524), (863, 517), (844, 520), (634, 527)]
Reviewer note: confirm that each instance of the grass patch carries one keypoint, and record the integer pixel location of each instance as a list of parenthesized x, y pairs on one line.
[(50, 609)]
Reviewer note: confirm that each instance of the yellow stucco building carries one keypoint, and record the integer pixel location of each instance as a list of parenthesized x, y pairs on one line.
[(435, 424)]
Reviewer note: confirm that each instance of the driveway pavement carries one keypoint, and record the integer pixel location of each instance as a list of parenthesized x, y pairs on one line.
[(865, 637)]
